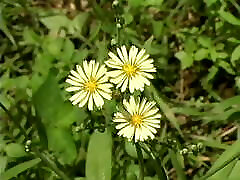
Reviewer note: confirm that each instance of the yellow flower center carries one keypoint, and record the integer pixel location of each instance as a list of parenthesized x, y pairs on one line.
[(91, 85), (130, 70), (137, 120)]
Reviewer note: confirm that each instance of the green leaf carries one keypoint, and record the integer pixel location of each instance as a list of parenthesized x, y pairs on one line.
[(60, 140), (190, 46), (153, 2), (30, 37), (13, 172), (53, 45), (157, 28), (235, 55), (48, 95), (177, 165), (186, 59), (165, 108), (131, 150), (99, 157), (227, 157), (226, 104), (94, 30), (80, 55), (15, 150), (3, 164), (77, 24), (205, 41), (210, 2), (201, 54), (136, 3), (224, 172), (227, 67), (235, 172), (60, 114), (229, 18), (57, 116), (4, 28), (102, 50), (54, 23), (67, 51), (128, 17)]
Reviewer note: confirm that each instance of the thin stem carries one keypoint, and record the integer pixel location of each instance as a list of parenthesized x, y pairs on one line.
[(16, 123), (141, 164), (51, 165), (157, 163)]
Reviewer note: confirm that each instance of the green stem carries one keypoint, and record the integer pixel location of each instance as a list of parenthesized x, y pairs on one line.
[(157, 163), (16, 123), (141, 164), (51, 165)]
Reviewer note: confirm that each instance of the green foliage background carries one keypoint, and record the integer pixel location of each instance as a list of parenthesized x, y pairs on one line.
[(196, 49)]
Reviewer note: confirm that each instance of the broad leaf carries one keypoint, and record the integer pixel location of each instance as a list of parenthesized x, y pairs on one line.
[(186, 59), (57, 117), (15, 150), (99, 157)]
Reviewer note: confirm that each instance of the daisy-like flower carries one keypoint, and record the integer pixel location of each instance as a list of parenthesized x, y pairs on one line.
[(90, 85), (139, 121), (132, 70)]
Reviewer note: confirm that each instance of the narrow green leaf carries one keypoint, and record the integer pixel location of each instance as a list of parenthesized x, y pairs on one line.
[(13, 172), (225, 65), (177, 165), (234, 175), (235, 55), (157, 28), (227, 157), (229, 17), (165, 108), (230, 102), (224, 172), (4, 28), (99, 157), (3, 163)]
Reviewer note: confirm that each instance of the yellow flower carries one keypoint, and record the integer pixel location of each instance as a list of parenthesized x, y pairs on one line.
[(132, 71), (139, 121), (90, 84)]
